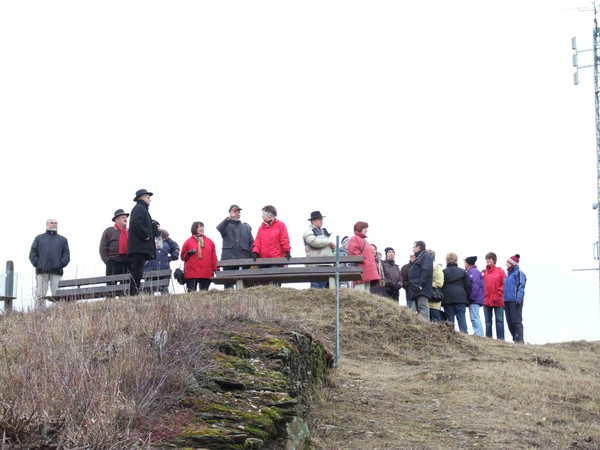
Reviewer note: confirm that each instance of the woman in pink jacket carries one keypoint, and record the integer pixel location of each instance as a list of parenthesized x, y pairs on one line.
[(200, 256), (358, 245)]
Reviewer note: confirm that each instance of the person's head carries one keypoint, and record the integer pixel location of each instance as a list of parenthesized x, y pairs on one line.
[(269, 212), (344, 241), (235, 212), (431, 253), (390, 253), (316, 219), (490, 259), (513, 261), (470, 261), (412, 257), (451, 258), (120, 218), (198, 228), (361, 227), (52, 225), (164, 234), (374, 247), (143, 195), (419, 246)]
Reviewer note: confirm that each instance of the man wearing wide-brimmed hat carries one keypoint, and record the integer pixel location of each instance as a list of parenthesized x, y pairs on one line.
[(142, 231), (113, 245), (317, 242)]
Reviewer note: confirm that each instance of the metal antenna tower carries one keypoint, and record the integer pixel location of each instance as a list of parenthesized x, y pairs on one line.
[(596, 62)]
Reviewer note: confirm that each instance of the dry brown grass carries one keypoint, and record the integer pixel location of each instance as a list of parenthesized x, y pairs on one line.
[(97, 374)]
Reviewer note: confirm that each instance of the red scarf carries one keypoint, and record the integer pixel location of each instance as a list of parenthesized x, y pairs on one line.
[(123, 236)]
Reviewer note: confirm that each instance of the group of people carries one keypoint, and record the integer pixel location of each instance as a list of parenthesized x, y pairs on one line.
[(436, 294)]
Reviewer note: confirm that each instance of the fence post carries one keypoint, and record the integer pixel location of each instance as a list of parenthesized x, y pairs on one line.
[(8, 286)]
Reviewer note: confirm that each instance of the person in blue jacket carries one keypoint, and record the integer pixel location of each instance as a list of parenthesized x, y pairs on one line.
[(49, 254), (514, 293)]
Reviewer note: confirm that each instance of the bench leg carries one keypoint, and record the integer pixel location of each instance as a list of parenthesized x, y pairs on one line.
[(331, 282), (239, 284)]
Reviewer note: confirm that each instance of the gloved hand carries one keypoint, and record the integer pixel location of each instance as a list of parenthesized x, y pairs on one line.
[(191, 251), (288, 255), (254, 256)]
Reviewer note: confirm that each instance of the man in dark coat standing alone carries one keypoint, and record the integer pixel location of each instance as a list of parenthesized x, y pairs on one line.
[(140, 245), (49, 255)]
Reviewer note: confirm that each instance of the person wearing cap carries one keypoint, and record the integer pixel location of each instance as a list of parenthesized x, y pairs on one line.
[(140, 245), (493, 296), (237, 238), (317, 242), (272, 239), (391, 274), (514, 294), (475, 294), (113, 245), (167, 250), (49, 254)]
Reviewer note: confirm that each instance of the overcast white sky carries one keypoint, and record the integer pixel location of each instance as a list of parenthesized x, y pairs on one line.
[(456, 123)]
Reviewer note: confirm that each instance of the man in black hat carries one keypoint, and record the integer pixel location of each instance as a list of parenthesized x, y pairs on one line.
[(317, 242), (237, 238), (113, 245), (140, 245)]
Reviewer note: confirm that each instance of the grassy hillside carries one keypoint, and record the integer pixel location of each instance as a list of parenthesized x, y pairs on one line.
[(401, 382)]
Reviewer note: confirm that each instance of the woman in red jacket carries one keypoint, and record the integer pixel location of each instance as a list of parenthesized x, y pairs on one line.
[(200, 256), (493, 292), (272, 239), (358, 245)]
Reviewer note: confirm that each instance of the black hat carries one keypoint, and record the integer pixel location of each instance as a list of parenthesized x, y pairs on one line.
[(141, 192), (387, 249), (234, 207), (119, 212), (470, 260), (315, 215)]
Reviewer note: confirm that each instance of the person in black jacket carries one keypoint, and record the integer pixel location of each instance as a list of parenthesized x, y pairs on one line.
[(237, 238), (49, 255), (420, 280), (457, 285), (140, 245)]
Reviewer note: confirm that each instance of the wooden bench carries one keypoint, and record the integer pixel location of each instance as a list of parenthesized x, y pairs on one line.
[(108, 286), (281, 270)]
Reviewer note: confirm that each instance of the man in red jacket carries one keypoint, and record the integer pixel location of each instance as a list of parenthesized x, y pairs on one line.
[(272, 239)]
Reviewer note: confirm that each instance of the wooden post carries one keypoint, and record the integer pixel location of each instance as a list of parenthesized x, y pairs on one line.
[(8, 286)]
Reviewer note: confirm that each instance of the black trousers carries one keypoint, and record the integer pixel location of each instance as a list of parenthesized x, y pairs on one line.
[(138, 260)]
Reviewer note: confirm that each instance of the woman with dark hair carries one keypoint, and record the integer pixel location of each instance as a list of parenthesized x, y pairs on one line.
[(493, 296), (199, 255)]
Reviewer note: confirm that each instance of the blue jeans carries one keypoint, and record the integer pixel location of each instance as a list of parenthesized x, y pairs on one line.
[(457, 310), (475, 319), (489, 312), (435, 315)]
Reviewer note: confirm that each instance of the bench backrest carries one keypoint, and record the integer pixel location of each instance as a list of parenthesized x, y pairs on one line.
[(121, 278), (313, 260)]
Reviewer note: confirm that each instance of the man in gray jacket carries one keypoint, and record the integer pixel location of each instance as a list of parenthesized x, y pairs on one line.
[(317, 242), (237, 238), (49, 255)]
